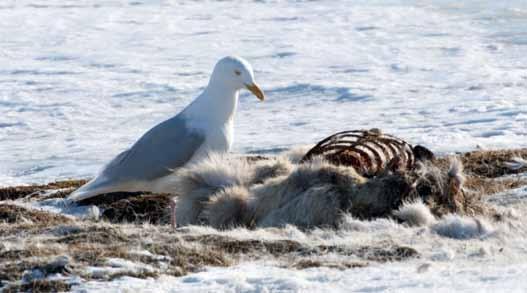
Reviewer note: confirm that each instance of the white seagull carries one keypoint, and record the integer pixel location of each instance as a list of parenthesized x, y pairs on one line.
[(206, 125)]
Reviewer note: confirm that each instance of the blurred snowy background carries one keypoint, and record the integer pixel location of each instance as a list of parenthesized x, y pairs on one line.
[(81, 80)]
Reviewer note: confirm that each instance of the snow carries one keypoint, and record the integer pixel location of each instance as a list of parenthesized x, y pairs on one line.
[(115, 266), (59, 206), (82, 80), (462, 227), (254, 277), (456, 254)]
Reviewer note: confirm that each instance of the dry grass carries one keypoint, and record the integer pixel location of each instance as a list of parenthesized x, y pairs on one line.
[(384, 252), (185, 258), (93, 234), (308, 263), (488, 164), (236, 246), (13, 214), (485, 174), (32, 239), (493, 185), (39, 286), (23, 191), (13, 270), (86, 244), (143, 208)]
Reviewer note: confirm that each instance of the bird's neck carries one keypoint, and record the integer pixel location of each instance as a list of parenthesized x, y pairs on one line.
[(216, 105)]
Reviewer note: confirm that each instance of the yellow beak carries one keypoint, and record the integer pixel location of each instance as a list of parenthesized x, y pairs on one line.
[(256, 91)]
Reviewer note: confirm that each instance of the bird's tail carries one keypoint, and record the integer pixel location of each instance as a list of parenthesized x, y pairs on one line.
[(93, 188)]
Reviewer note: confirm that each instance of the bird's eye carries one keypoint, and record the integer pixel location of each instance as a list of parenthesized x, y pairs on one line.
[(237, 72)]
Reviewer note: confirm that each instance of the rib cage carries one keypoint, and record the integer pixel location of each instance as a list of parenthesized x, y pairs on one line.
[(369, 151)]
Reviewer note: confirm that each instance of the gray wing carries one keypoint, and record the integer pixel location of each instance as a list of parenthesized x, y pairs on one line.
[(166, 146)]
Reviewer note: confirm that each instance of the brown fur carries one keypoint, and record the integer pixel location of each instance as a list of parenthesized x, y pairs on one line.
[(275, 180)]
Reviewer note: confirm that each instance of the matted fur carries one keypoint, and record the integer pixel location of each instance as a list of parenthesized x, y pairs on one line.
[(226, 192), (415, 213), (314, 194), (195, 185), (227, 208)]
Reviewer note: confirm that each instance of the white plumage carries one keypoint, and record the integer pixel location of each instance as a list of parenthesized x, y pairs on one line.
[(205, 126)]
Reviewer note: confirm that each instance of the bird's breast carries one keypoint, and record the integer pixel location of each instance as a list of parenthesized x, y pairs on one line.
[(217, 140)]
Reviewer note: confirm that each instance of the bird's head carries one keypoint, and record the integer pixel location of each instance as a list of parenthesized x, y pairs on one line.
[(237, 73)]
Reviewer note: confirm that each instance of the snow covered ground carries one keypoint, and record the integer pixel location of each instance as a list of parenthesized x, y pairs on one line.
[(386, 278), (492, 259), (82, 80)]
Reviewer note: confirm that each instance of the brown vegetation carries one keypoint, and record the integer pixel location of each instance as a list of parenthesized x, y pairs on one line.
[(23, 191), (143, 208), (13, 214), (308, 263), (33, 240), (39, 286), (491, 164)]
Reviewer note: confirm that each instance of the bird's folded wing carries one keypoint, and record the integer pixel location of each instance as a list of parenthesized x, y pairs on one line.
[(167, 146)]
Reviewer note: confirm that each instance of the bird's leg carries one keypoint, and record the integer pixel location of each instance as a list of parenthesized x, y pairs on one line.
[(173, 213)]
